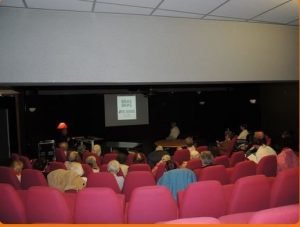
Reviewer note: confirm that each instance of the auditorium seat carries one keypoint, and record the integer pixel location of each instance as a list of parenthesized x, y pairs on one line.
[(26, 162), (236, 157), (285, 188), (12, 210), (202, 199), (242, 169), (56, 165), (32, 177), (129, 159), (217, 172), (137, 179), (108, 157), (181, 156), (198, 220), (60, 155), (160, 171), (87, 169), (238, 218), (47, 205), (202, 148), (267, 166), (8, 176), (99, 206), (139, 167), (249, 194), (278, 215), (194, 164), (151, 204), (103, 179), (221, 160)]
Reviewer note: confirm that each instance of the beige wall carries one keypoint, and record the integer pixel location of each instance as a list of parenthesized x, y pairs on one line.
[(49, 46)]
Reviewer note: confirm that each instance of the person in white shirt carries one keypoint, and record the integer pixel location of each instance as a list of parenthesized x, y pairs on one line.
[(244, 132), (262, 149), (174, 132)]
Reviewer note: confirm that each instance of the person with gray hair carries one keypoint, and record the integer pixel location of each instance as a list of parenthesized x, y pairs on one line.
[(207, 158), (114, 167)]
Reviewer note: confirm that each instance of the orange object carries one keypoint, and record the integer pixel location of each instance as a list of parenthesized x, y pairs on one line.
[(62, 125)]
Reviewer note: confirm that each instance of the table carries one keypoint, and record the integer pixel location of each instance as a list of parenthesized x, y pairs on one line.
[(122, 145), (171, 143)]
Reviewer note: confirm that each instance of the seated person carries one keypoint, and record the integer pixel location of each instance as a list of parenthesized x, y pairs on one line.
[(114, 167), (91, 161), (139, 158), (74, 163), (223, 145), (40, 164), (194, 154), (174, 132), (207, 158), (155, 156), (121, 158), (243, 134), (259, 148), (97, 149), (164, 159), (17, 166)]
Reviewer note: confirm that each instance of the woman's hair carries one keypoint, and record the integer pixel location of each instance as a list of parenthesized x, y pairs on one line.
[(122, 158), (207, 158), (189, 141), (17, 165), (170, 165), (91, 161), (97, 149), (139, 158), (74, 156), (166, 157), (113, 166)]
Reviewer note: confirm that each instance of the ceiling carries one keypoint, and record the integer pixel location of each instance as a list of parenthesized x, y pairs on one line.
[(255, 11)]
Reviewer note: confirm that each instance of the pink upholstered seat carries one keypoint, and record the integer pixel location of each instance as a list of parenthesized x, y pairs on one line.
[(217, 173), (202, 199), (194, 164), (103, 179), (222, 160), (202, 148), (267, 166), (32, 177), (198, 220), (26, 162), (285, 188), (60, 155), (12, 210), (56, 165), (236, 157), (249, 194), (137, 179), (181, 156), (278, 215), (108, 157), (47, 205), (139, 167), (99, 206), (243, 169), (8, 176), (130, 158), (151, 204), (160, 171), (87, 169), (238, 218)]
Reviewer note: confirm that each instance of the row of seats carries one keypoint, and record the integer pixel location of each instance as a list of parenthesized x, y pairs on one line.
[(235, 203)]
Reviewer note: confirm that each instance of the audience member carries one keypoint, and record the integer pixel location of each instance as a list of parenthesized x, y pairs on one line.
[(259, 148), (222, 146), (97, 149), (121, 158), (138, 158), (163, 160), (64, 146), (155, 156), (114, 167), (207, 158), (174, 132), (40, 164), (17, 166), (244, 132), (74, 163), (91, 161), (194, 154)]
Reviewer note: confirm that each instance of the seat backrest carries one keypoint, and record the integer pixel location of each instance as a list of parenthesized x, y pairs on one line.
[(217, 173), (47, 205), (285, 188), (181, 156), (202, 148), (222, 160), (60, 155), (130, 158), (103, 179), (8, 176), (177, 180), (139, 167), (87, 169), (243, 169), (26, 162), (108, 157), (236, 157), (56, 165), (98, 206), (194, 164), (228, 150), (12, 210), (202, 199), (278, 215), (249, 194), (267, 166), (151, 204), (32, 177), (15, 156), (160, 170), (137, 179)]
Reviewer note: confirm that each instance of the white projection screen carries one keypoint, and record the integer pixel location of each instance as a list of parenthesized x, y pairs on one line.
[(125, 109)]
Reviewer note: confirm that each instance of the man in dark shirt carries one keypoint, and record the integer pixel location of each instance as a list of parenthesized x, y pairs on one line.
[(155, 156)]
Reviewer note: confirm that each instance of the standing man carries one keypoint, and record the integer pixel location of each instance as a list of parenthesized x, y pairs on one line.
[(174, 132)]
